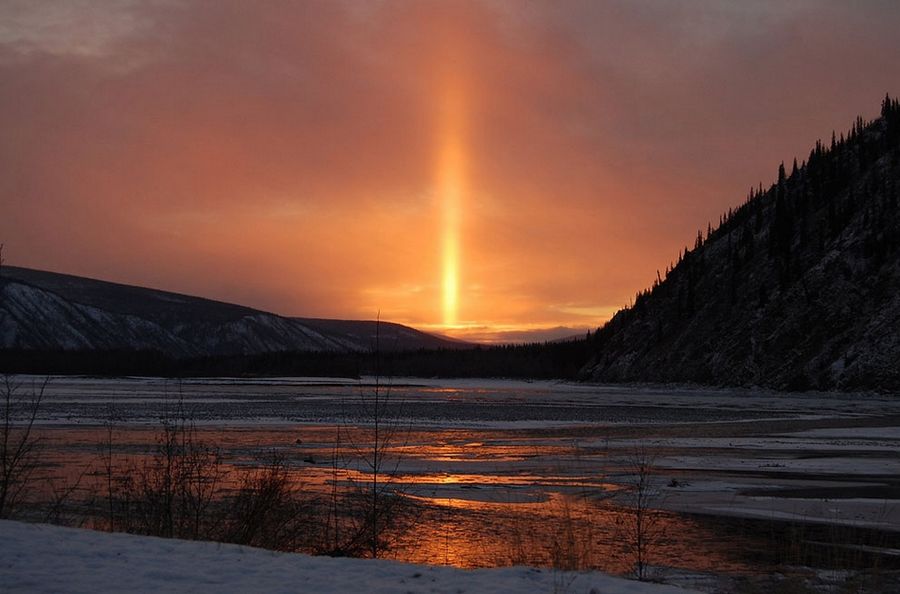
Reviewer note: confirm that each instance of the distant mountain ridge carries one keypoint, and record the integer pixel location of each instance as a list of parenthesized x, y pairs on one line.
[(50, 311), (799, 288)]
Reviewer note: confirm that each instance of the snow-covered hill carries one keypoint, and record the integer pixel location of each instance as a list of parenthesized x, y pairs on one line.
[(50, 311), (40, 558)]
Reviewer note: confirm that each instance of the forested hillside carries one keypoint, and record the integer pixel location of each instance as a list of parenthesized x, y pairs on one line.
[(799, 288)]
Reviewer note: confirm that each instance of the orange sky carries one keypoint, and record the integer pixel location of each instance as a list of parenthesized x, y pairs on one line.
[(492, 166)]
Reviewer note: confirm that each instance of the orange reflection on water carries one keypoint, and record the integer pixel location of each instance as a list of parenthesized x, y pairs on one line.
[(559, 529), (438, 450), (476, 512)]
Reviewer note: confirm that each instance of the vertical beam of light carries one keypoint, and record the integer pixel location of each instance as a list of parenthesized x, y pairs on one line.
[(450, 182)]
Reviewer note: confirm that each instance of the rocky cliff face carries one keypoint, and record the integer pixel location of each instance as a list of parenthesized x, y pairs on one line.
[(799, 288)]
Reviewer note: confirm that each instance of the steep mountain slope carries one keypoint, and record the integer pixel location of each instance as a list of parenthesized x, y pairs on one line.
[(50, 311), (799, 288)]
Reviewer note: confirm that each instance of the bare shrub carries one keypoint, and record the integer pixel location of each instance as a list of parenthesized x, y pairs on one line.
[(380, 496), (65, 505), (571, 544), (268, 510), (369, 507), (171, 493), (18, 445), (185, 489), (641, 527)]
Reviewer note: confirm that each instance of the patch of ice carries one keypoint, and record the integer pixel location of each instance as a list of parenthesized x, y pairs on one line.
[(851, 433)]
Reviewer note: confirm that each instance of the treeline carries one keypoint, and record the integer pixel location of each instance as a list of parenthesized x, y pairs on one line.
[(550, 360), (557, 360)]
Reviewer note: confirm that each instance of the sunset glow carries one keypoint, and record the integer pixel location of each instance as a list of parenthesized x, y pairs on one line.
[(490, 169)]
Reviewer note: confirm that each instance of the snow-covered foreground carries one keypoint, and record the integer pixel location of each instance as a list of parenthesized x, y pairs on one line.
[(41, 558)]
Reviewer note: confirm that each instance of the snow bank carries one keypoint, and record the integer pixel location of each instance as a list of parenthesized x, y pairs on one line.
[(41, 558)]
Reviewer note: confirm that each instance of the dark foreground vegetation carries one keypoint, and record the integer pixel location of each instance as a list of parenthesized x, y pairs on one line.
[(184, 486)]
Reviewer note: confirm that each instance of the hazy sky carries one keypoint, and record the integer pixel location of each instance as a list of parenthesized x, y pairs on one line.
[(498, 165)]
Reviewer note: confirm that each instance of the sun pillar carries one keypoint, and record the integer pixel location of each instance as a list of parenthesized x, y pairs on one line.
[(451, 176)]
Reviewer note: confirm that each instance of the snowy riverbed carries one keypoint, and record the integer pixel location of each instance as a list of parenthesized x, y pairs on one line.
[(49, 559)]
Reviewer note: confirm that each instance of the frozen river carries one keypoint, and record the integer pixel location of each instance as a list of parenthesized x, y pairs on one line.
[(494, 460), (441, 403)]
